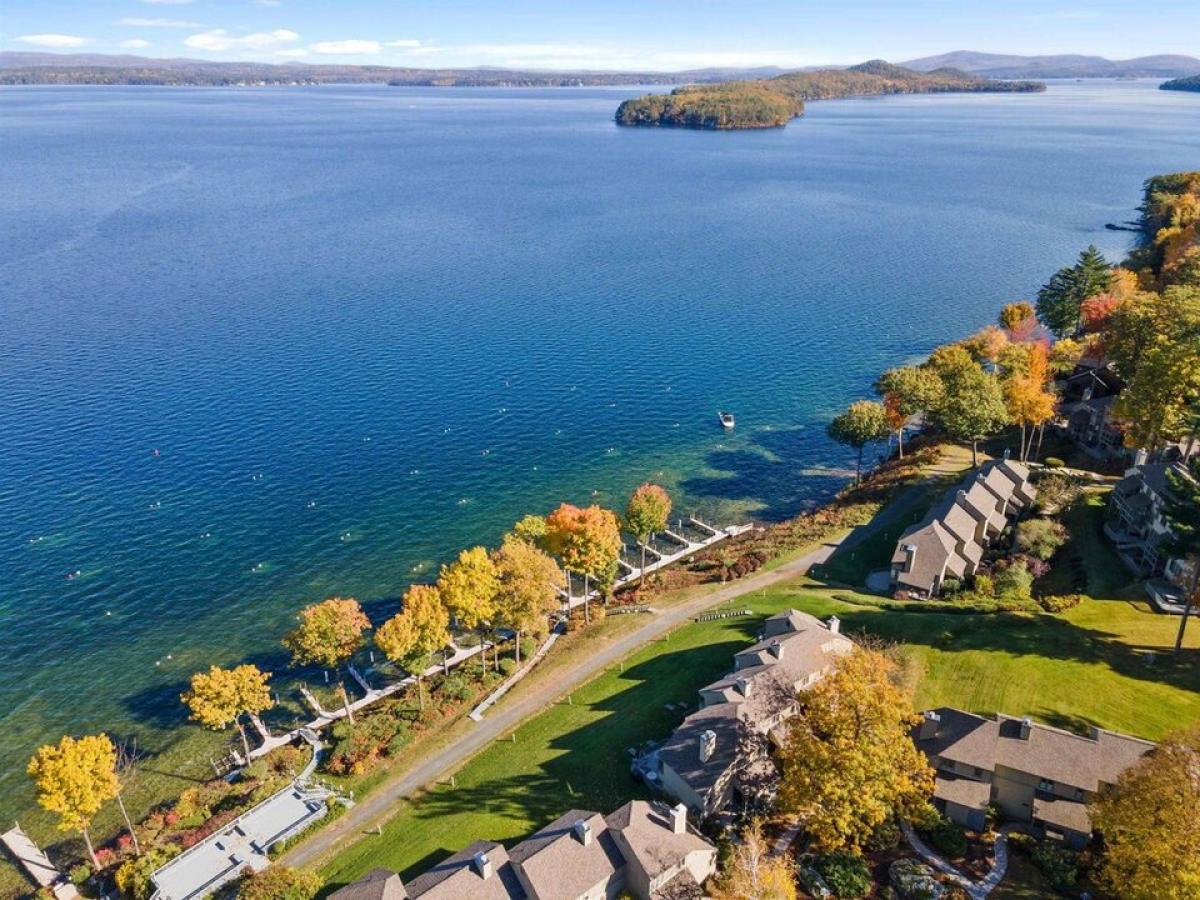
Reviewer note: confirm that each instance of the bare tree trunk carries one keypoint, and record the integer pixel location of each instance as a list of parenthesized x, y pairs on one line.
[(245, 740), (518, 647), (1041, 431), (900, 440), (642, 570), (587, 609), (137, 849), (420, 692), (445, 662), (1021, 455), (87, 840), (974, 454), (345, 699), (1187, 607)]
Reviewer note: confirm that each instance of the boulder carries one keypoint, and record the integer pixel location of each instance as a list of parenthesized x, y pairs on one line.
[(913, 880)]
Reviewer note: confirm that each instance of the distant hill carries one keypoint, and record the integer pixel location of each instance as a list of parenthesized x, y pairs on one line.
[(1191, 83), (97, 68), (773, 102), (998, 65)]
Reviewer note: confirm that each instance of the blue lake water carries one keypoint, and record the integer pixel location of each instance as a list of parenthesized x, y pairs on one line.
[(262, 346)]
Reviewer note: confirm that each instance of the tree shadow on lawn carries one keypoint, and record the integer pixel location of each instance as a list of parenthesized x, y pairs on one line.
[(591, 767), (1046, 636), (766, 474)]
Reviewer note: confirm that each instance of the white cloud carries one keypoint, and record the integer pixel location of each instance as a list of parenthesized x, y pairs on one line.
[(53, 40), (345, 48), (408, 45), (219, 39), (143, 22), (135, 44)]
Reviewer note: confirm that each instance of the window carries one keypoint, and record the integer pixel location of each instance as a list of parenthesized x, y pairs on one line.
[(978, 772), (1046, 785)]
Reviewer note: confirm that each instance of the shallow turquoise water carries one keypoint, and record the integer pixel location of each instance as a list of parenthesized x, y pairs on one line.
[(363, 327)]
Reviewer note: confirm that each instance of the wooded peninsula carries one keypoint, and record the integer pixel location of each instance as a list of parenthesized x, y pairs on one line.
[(773, 102), (1191, 83)]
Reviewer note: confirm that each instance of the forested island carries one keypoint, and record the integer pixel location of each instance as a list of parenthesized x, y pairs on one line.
[(1191, 83), (773, 102)]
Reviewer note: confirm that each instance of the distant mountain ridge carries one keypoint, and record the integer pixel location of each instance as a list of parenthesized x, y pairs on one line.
[(32, 67), (1000, 65)]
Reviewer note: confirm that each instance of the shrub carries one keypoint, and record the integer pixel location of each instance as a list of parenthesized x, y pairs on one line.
[(356, 748), (1022, 842), (948, 838), (1053, 462), (529, 646), (1057, 863), (885, 837), (576, 621), (278, 883), (508, 665), (456, 688), (1040, 538), (79, 874), (846, 874), (1056, 491), (1059, 602), (287, 760), (1014, 584), (951, 586), (133, 878)]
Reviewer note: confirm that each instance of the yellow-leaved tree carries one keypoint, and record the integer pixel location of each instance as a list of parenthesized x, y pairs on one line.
[(74, 778), (848, 763), (528, 593), (1147, 824), (420, 629), (220, 697), (752, 873), (587, 541), (647, 513), (468, 587), (328, 635)]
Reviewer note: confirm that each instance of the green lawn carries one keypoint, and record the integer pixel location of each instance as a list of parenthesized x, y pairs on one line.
[(1023, 881), (1087, 666)]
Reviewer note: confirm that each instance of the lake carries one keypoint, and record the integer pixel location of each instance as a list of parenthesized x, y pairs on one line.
[(262, 346)]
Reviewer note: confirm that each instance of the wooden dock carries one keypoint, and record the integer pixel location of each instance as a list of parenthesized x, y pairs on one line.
[(36, 864)]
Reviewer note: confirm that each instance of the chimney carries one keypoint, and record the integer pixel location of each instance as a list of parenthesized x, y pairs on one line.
[(708, 745), (777, 649), (1087, 393), (743, 687), (1006, 451), (960, 495), (1026, 727), (1139, 458), (583, 832), (678, 819), (482, 865), (929, 725), (835, 624)]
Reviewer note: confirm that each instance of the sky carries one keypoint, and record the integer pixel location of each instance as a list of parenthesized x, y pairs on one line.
[(650, 35)]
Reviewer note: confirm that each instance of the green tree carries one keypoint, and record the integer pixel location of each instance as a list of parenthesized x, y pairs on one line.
[(528, 594), (469, 586), (74, 778), (220, 697), (329, 634), (907, 391), (1060, 299), (848, 764), (1182, 512), (863, 421), (972, 405), (1147, 824), (647, 513), (420, 629)]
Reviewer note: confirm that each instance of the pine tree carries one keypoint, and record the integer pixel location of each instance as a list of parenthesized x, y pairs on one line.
[(1060, 299)]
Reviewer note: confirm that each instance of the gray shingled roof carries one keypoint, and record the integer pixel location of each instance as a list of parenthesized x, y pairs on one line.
[(378, 884), (556, 863), (1050, 753), (454, 878), (647, 830)]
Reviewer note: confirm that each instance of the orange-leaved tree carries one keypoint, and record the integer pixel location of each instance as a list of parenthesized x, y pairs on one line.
[(588, 541)]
